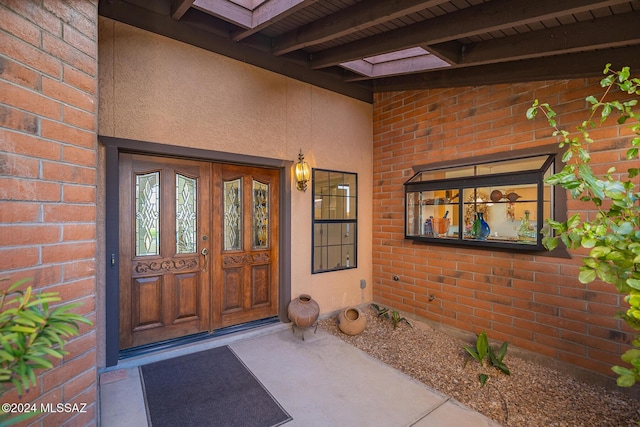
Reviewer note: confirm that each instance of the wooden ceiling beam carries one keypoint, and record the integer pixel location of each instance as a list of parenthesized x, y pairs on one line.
[(354, 18), (179, 8), (486, 17), (606, 32), (560, 67), (225, 10), (269, 13)]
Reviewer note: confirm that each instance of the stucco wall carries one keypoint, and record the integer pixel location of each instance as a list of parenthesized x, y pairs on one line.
[(159, 90)]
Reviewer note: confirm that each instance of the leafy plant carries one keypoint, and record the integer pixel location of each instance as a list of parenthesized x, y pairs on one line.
[(31, 330), (383, 312), (396, 319), (482, 350), (612, 236)]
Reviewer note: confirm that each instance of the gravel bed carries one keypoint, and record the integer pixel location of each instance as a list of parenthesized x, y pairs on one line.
[(533, 395)]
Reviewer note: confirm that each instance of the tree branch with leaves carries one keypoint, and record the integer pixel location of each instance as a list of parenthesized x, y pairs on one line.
[(612, 235)]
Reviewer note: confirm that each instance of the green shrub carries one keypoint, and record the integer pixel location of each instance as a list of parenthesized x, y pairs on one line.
[(31, 331)]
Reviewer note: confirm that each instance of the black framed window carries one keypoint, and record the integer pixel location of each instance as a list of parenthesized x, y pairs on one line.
[(505, 191), (335, 220)]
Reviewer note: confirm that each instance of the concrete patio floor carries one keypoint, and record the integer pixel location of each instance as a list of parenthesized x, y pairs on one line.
[(321, 381)]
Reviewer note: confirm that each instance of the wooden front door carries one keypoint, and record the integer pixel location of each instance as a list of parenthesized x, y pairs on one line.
[(247, 254), (198, 247)]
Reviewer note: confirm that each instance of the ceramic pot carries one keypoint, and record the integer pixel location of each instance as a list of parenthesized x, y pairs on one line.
[(351, 321), (303, 311)]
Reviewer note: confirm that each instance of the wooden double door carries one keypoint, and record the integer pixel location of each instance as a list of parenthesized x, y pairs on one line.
[(198, 247)]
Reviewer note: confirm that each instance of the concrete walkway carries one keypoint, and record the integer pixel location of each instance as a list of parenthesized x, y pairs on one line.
[(321, 381)]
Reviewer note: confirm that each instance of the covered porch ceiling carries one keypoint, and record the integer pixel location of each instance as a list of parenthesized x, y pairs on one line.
[(358, 47)]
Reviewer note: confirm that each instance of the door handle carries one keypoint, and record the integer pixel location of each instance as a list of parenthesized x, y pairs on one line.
[(205, 253)]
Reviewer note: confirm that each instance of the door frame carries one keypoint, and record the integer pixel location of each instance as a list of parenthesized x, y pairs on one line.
[(113, 147)]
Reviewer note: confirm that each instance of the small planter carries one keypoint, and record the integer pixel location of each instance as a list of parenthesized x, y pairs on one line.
[(351, 321), (303, 313)]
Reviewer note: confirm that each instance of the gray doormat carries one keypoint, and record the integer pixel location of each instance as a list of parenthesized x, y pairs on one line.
[(208, 388)]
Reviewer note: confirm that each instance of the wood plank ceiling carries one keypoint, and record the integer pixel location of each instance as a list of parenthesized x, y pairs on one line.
[(358, 47)]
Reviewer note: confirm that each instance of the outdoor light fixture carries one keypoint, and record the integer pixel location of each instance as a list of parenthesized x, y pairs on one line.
[(303, 173)]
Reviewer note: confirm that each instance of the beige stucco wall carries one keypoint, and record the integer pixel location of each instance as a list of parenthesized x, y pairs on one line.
[(159, 90)]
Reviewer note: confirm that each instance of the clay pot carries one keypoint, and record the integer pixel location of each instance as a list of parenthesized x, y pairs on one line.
[(303, 311), (351, 321)]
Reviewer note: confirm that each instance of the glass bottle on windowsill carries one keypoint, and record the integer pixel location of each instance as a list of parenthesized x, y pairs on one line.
[(526, 231)]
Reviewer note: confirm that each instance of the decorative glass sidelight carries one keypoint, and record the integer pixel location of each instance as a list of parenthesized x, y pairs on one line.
[(233, 214), (260, 215), (147, 214), (186, 190)]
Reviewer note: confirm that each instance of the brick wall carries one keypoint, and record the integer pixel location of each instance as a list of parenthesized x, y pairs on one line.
[(48, 150), (534, 302)]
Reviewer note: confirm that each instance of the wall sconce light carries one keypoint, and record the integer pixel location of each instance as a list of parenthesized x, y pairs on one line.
[(303, 173)]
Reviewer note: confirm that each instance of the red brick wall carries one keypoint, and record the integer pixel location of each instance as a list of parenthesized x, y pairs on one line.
[(48, 155), (534, 302)]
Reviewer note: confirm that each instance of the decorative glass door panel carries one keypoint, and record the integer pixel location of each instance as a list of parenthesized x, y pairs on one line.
[(233, 214), (186, 213), (260, 223), (147, 213)]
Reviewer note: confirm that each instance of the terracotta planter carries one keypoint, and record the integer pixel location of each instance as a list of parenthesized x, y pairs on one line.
[(351, 321), (303, 311)]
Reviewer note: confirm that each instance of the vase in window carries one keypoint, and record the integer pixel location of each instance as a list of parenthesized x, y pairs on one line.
[(526, 231), (480, 230)]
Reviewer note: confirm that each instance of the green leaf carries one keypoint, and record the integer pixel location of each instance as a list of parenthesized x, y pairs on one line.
[(483, 379), (39, 362), (502, 351), (631, 355), (502, 367), (482, 344), (634, 283), (598, 252), (625, 228), (22, 329), (626, 377), (574, 221), (588, 242), (587, 276), (591, 99), (532, 112), (550, 243), (473, 353)]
